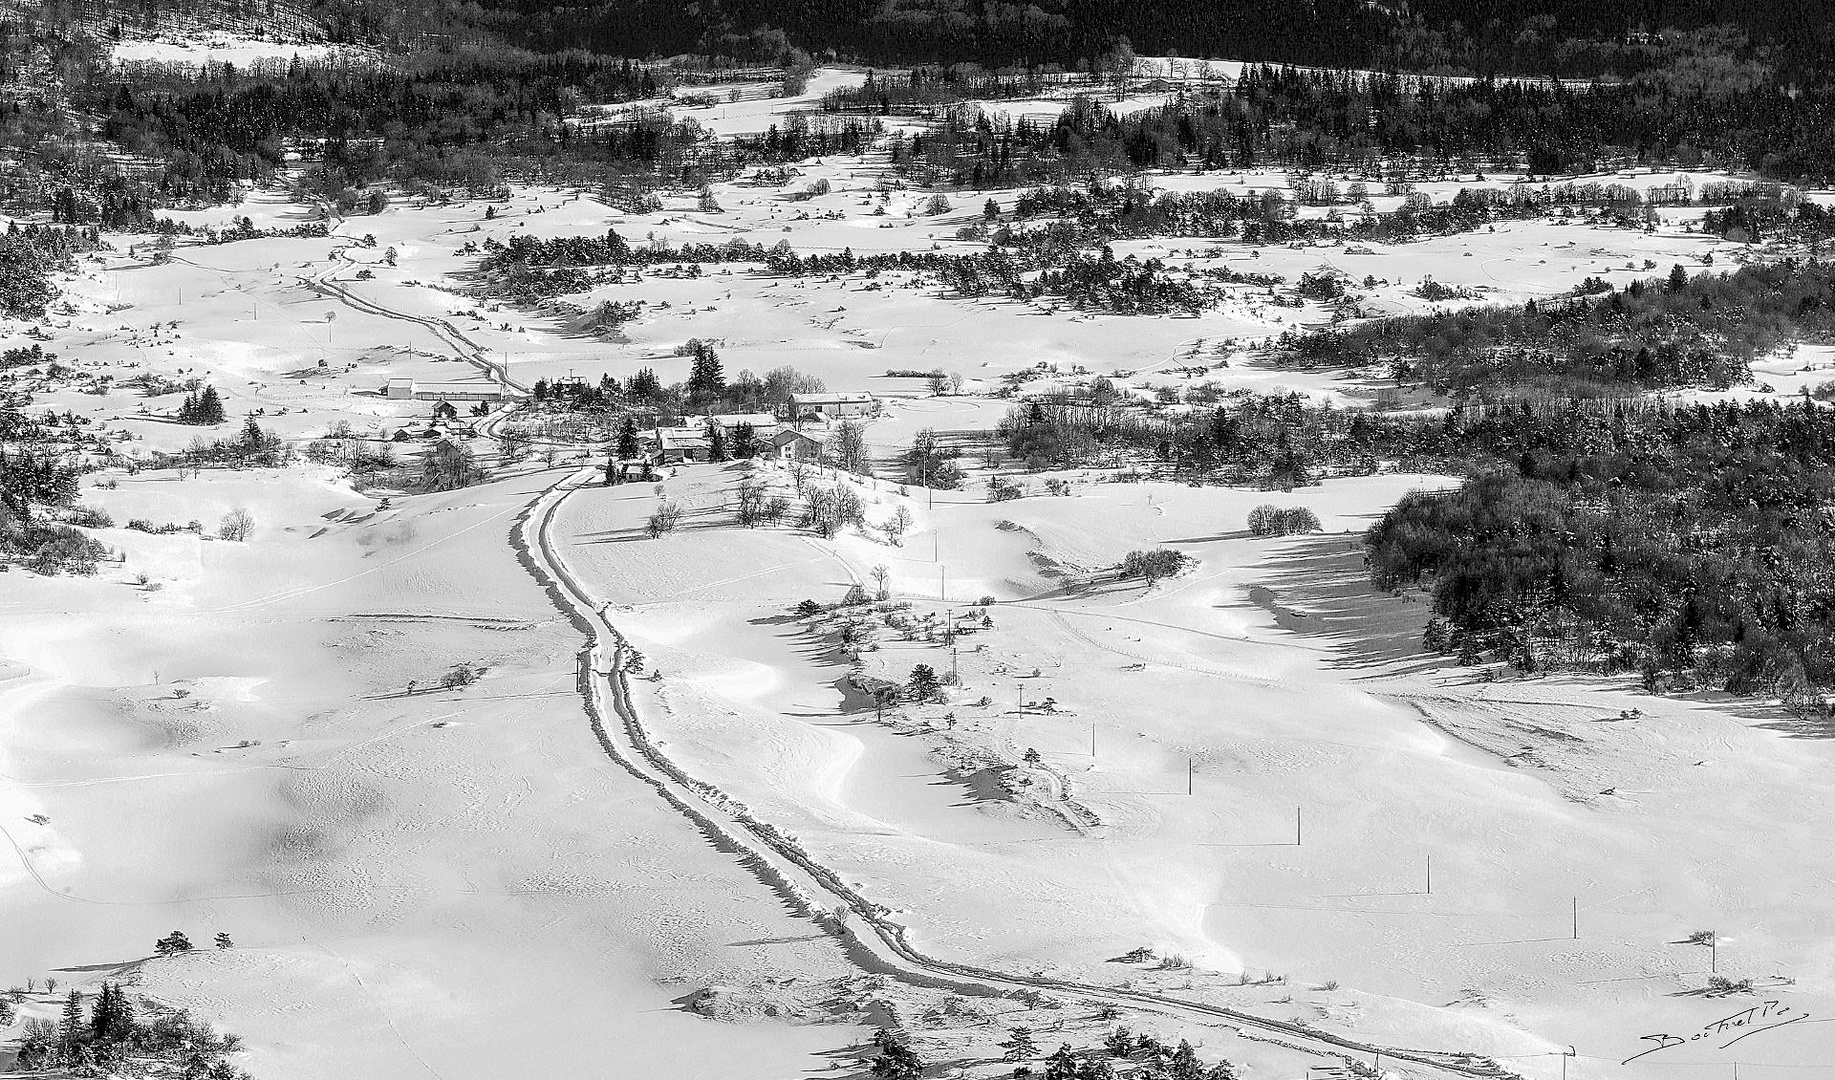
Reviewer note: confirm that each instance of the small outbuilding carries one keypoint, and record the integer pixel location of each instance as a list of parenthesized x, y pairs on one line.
[(790, 444)]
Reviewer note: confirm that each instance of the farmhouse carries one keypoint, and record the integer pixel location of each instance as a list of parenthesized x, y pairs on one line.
[(414, 390), (678, 446), (793, 445), (764, 425), (832, 406)]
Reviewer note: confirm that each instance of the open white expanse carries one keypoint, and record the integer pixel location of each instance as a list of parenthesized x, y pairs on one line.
[(1249, 765)]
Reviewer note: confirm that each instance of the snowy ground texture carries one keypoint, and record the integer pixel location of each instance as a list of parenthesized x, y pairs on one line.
[(1249, 766)]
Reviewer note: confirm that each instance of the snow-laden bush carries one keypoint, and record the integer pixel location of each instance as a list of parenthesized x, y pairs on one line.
[(1266, 520)]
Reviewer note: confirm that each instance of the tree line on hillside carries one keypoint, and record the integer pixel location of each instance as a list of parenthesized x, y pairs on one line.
[(28, 258), (1273, 441), (1294, 118), (1772, 215), (1029, 266), (707, 388), (465, 121), (453, 119), (1692, 545), (36, 488), (1102, 210), (1703, 330), (473, 94), (925, 86), (1568, 37), (121, 1036)]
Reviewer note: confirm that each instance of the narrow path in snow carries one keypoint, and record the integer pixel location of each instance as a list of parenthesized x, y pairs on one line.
[(813, 889)]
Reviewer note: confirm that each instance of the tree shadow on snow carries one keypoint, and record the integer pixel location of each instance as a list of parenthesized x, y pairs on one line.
[(115, 968), (1320, 588), (1782, 720)]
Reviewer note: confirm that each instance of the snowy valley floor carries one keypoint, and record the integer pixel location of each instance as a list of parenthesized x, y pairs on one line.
[(461, 884)]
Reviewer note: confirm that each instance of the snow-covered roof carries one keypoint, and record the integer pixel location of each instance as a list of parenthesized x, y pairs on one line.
[(829, 399), (731, 420)]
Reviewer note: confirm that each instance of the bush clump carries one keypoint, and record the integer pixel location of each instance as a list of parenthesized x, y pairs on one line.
[(1267, 520), (1155, 564), (60, 549)]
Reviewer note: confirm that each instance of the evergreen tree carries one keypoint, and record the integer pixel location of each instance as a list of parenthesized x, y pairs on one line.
[(745, 441), (30, 479), (923, 685), (1018, 1044), (716, 441), (1185, 1064), (706, 382), (645, 386), (70, 1025), (1062, 1064), (628, 445), (896, 1060), (173, 943), (210, 407), (112, 1016), (223, 941)]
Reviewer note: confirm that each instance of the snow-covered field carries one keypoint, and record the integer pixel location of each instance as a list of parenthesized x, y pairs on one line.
[(1249, 766), (243, 52)]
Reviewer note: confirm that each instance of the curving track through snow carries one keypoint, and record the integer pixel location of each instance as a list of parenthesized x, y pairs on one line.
[(871, 940)]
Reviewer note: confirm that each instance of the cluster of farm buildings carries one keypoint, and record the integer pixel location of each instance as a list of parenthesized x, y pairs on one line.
[(796, 431)]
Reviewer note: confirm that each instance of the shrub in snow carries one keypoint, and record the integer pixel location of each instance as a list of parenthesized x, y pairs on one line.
[(1266, 520)]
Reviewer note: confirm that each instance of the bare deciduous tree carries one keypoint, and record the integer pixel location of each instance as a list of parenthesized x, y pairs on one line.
[(236, 525)]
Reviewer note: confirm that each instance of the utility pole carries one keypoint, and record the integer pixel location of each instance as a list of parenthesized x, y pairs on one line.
[(1020, 693), (1576, 918), (1297, 835), (1430, 875), (1092, 738), (1714, 951), (1190, 767)]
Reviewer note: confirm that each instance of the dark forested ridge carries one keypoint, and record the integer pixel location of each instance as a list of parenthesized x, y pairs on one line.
[(472, 95), (1573, 38), (1566, 37)]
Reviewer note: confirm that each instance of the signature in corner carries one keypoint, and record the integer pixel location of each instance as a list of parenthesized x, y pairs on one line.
[(1765, 1016)]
